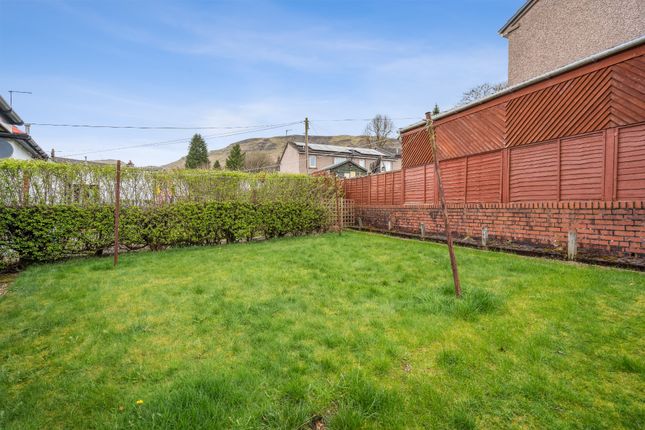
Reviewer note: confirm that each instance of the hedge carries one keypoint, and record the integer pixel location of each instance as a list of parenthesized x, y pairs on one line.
[(25, 183), (51, 232), (50, 211)]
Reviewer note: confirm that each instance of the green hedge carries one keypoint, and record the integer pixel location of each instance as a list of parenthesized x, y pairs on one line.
[(51, 232)]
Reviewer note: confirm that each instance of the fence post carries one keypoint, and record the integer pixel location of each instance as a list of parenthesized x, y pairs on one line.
[(25, 188), (339, 222), (117, 210)]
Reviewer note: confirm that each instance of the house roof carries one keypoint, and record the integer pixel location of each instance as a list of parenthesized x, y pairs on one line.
[(576, 64), (336, 165), (9, 119), (8, 115), (348, 150), (516, 17)]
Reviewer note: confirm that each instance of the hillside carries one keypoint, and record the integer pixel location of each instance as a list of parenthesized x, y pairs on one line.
[(273, 147)]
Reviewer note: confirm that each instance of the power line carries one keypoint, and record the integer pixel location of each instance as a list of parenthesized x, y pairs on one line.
[(147, 127), (199, 127), (362, 119), (184, 140)]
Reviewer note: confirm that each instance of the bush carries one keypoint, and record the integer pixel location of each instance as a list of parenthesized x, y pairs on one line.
[(46, 233)]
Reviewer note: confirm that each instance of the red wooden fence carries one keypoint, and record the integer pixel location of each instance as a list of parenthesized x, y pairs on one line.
[(606, 165)]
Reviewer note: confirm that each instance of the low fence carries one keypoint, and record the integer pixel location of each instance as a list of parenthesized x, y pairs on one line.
[(51, 211)]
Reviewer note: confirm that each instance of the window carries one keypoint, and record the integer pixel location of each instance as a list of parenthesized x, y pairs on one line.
[(339, 159), (6, 148), (387, 166), (312, 161), (361, 162)]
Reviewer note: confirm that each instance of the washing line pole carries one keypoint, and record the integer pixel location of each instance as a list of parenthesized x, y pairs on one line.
[(442, 199), (117, 209)]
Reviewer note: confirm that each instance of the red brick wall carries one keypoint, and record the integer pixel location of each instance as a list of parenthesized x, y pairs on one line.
[(606, 231)]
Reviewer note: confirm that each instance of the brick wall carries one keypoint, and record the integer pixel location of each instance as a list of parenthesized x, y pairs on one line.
[(612, 232)]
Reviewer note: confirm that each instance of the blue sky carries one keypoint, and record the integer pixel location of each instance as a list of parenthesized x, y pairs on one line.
[(207, 63)]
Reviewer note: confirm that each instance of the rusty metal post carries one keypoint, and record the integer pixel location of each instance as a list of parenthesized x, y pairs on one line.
[(117, 210), (26, 183), (339, 222), (442, 198)]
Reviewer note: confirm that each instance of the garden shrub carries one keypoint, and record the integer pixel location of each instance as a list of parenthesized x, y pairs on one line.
[(47, 233)]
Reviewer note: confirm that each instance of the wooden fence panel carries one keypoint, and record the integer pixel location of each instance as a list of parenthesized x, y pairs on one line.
[(398, 188), (534, 173), (485, 178), (414, 184), (581, 167), (474, 133), (382, 188), (453, 176), (630, 180), (430, 187)]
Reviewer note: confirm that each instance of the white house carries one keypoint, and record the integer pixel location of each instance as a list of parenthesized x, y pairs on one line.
[(15, 143)]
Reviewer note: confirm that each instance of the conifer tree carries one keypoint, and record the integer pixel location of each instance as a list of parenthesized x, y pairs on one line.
[(217, 166), (235, 160), (436, 110), (197, 157)]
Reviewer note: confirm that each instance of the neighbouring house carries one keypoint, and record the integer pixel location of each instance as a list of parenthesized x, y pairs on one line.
[(344, 169), (294, 159), (546, 34), (555, 163), (14, 142)]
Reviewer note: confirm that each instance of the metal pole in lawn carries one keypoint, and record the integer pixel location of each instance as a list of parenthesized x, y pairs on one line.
[(117, 209), (339, 222), (442, 198), (306, 146)]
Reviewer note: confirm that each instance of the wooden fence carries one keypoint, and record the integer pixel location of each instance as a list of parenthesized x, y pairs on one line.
[(608, 165)]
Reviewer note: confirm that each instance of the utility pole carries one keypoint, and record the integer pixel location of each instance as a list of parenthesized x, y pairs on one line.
[(442, 198), (307, 145)]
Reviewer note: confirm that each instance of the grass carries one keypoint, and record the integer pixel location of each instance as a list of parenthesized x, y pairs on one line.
[(361, 330)]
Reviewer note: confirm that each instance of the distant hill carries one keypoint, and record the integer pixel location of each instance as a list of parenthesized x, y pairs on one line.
[(273, 147)]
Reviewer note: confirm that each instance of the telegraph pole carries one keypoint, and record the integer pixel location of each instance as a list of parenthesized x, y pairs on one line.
[(307, 145), (442, 198)]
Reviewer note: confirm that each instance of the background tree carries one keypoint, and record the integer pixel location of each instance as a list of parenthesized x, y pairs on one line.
[(436, 110), (481, 91), (197, 157), (378, 131), (217, 166), (235, 159), (258, 161)]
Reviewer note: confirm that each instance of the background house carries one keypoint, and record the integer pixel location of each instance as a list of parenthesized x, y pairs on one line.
[(293, 158), (15, 143), (546, 34)]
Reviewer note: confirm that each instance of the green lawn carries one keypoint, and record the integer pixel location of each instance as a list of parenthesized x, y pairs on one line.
[(362, 330)]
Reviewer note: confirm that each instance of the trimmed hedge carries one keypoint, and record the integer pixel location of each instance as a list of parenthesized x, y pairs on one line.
[(50, 232)]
